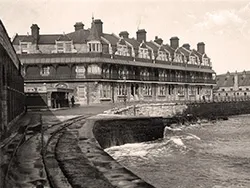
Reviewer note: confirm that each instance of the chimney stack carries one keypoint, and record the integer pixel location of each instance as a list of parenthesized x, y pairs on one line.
[(158, 40), (187, 46), (124, 34), (35, 32), (201, 47), (141, 35), (79, 26), (174, 42), (98, 25)]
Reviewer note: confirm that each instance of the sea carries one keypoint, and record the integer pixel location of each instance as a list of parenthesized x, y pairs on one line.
[(205, 155)]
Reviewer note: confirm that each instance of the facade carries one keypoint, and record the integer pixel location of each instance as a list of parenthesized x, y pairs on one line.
[(12, 96), (97, 67), (233, 86)]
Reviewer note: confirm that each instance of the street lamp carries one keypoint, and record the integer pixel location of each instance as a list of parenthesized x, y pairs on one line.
[(125, 90)]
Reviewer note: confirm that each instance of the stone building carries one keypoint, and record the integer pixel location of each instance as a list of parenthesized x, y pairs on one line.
[(233, 86), (12, 96), (96, 67)]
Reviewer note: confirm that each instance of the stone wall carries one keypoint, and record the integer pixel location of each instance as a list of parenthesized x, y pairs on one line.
[(151, 110)]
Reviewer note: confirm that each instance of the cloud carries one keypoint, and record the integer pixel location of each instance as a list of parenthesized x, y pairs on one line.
[(220, 18), (228, 21)]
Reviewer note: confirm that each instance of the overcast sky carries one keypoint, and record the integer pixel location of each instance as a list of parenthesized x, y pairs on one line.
[(224, 26)]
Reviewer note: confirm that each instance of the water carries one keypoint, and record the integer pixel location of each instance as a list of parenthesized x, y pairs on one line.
[(207, 155)]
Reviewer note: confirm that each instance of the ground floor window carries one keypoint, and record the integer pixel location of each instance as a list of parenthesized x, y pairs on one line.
[(181, 91), (121, 89), (171, 89), (192, 91), (162, 90), (147, 89), (105, 91)]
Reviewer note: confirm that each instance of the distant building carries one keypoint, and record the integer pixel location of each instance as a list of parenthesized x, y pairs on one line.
[(12, 96), (96, 67), (232, 86)]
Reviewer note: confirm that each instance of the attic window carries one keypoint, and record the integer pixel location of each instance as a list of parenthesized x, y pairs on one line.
[(240, 89), (122, 50), (94, 46), (24, 47), (247, 89), (162, 56), (143, 53)]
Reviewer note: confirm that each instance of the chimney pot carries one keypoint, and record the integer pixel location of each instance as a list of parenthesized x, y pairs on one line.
[(187, 46), (158, 40), (78, 26), (124, 34)]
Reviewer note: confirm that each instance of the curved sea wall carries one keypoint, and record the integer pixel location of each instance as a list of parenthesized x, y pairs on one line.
[(142, 123)]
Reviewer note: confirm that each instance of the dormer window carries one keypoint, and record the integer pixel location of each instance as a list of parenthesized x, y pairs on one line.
[(192, 60), (205, 61), (64, 46), (178, 58), (122, 50), (24, 47), (162, 56), (94, 46), (143, 51)]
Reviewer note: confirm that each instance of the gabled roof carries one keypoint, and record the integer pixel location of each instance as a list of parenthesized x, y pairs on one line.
[(169, 48), (111, 38), (64, 38), (143, 45), (184, 51), (153, 46), (198, 54), (93, 35), (122, 42), (133, 42)]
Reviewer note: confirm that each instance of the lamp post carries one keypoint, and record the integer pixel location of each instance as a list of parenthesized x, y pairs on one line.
[(125, 90)]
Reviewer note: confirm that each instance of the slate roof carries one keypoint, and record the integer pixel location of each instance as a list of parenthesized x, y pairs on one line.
[(63, 38), (133, 42), (184, 51), (153, 46), (80, 36), (227, 80), (169, 48), (111, 38)]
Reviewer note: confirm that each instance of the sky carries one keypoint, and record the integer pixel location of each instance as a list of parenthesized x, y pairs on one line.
[(224, 26)]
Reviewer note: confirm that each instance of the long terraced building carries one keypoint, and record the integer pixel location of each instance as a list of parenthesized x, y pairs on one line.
[(12, 96), (96, 67)]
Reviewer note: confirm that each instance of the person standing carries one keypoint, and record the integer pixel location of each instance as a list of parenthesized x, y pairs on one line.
[(73, 101)]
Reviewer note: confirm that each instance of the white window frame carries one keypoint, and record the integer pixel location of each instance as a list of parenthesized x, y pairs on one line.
[(62, 46), (122, 50), (144, 53), (94, 46), (26, 49)]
